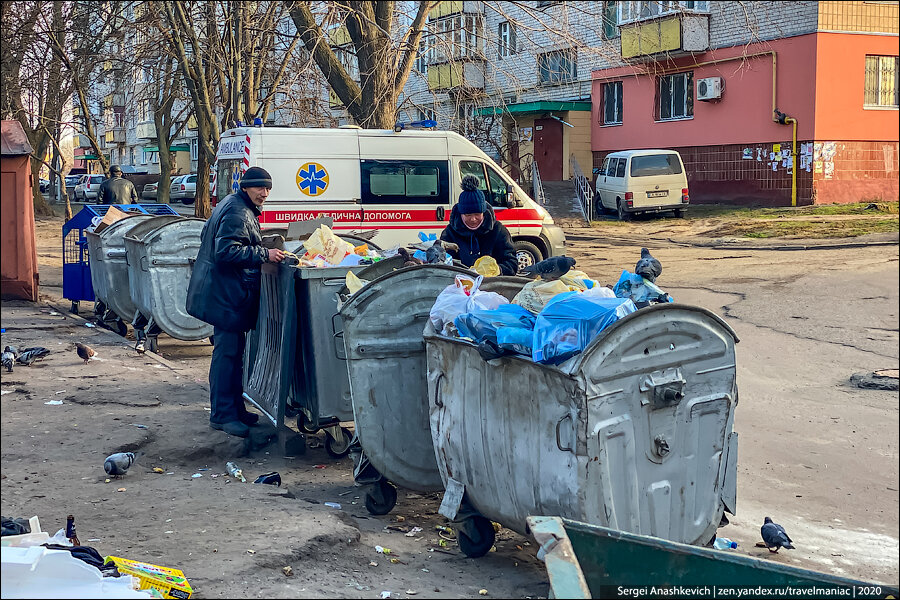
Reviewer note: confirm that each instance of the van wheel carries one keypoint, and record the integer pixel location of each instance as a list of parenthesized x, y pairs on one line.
[(679, 213), (623, 214), (527, 254)]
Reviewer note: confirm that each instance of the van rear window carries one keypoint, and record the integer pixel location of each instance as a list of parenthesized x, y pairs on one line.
[(655, 164)]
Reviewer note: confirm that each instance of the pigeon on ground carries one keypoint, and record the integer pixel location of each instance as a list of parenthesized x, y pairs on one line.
[(774, 536), (29, 355), (648, 267), (550, 268), (7, 359), (85, 352), (118, 464)]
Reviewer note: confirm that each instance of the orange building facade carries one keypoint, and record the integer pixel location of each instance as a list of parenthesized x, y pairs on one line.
[(719, 107)]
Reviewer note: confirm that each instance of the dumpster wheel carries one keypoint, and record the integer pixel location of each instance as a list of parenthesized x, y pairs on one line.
[(486, 535), (388, 499), (339, 448)]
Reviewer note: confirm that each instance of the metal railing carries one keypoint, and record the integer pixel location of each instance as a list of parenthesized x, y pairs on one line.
[(536, 185), (582, 189)]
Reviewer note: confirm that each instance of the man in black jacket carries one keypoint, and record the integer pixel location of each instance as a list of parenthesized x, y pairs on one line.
[(224, 292), (117, 189), (475, 229)]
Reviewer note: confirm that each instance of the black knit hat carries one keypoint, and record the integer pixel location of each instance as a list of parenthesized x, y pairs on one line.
[(256, 177), (471, 200)]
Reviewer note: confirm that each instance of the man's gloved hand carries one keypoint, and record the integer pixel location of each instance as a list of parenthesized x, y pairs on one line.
[(275, 255)]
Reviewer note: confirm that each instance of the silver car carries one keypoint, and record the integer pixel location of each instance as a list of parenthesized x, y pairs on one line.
[(183, 188), (150, 191), (87, 187)]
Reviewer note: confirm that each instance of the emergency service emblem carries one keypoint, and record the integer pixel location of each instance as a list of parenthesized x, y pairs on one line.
[(312, 179)]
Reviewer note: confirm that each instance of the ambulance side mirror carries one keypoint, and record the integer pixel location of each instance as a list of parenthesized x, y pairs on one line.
[(512, 201)]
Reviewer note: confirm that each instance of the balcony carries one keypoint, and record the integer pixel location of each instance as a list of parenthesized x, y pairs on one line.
[(114, 101), (675, 35), (451, 7), (145, 131), (192, 123), (116, 135), (458, 75), (82, 141)]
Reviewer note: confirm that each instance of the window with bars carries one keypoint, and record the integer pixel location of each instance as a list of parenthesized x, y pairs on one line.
[(881, 87), (506, 39), (557, 67), (610, 20), (612, 103), (676, 96), (424, 56), (639, 10), (460, 36)]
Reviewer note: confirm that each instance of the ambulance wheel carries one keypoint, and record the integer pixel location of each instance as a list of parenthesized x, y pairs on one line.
[(339, 448), (481, 546), (527, 254), (387, 502)]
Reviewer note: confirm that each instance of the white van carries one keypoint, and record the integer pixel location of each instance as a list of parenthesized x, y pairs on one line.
[(396, 183), (637, 181)]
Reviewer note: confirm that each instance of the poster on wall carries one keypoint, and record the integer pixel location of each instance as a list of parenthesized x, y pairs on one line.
[(759, 155), (817, 167), (817, 152), (776, 148), (747, 154), (525, 134), (829, 169), (828, 150)]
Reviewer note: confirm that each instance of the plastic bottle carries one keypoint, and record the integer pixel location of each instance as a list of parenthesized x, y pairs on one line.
[(235, 471), (724, 544)]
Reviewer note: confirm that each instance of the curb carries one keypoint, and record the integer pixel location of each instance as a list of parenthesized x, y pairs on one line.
[(720, 244)]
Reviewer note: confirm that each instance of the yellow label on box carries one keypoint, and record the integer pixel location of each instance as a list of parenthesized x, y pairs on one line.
[(171, 582)]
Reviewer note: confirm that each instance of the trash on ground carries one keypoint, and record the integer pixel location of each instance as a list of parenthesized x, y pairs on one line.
[(385, 594), (333, 505), (287, 570), (722, 543), (89, 325), (382, 550), (235, 471), (320, 466), (412, 532), (196, 475), (482, 592), (170, 582), (273, 478), (158, 470), (54, 402), (121, 489)]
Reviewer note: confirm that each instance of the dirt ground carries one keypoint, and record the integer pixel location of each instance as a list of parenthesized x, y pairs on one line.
[(817, 454)]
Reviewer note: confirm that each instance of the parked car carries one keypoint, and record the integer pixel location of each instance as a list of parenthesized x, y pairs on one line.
[(636, 181), (182, 189), (87, 187), (150, 191), (44, 185), (71, 182)]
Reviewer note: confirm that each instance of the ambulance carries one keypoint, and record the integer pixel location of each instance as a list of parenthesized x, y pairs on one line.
[(397, 183)]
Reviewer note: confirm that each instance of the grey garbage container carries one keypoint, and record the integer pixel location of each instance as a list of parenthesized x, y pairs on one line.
[(383, 324), (109, 271), (161, 253), (635, 433)]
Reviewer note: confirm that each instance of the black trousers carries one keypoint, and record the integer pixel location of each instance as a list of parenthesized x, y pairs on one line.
[(226, 386)]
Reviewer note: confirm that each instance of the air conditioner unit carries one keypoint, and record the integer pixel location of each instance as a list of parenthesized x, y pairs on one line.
[(709, 88)]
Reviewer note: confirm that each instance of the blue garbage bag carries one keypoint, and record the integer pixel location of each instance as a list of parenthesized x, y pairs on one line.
[(570, 321), (641, 291), (509, 326)]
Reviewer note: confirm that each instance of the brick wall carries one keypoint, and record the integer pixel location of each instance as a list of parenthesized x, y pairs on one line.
[(862, 172), (734, 23)]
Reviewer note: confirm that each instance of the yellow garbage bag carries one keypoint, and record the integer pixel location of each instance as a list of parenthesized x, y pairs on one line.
[(487, 266), (325, 243), (576, 280), (535, 294), (354, 283)]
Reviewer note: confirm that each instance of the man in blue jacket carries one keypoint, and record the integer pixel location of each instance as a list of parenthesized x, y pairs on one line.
[(475, 229), (224, 292)]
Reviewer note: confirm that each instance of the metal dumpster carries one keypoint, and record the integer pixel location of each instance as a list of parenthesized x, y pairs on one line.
[(385, 351), (109, 272), (589, 561), (294, 357), (161, 254), (634, 433)]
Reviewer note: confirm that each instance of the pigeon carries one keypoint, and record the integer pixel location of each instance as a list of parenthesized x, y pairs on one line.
[(550, 268), (117, 464), (7, 359), (648, 267), (29, 355), (774, 536), (85, 352), (408, 259), (436, 254)]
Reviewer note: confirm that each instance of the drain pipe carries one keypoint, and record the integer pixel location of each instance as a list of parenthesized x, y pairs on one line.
[(782, 118)]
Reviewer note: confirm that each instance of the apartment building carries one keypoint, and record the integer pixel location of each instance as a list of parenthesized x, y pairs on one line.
[(724, 83)]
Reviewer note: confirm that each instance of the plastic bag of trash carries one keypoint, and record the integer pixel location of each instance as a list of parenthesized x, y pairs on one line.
[(569, 322), (481, 325), (535, 294), (487, 266), (325, 243), (578, 281), (354, 283), (459, 297), (641, 291)]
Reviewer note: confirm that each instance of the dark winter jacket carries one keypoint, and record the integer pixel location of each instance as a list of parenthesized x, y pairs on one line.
[(224, 288), (491, 239), (117, 190)]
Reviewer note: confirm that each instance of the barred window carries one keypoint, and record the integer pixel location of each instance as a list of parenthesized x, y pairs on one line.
[(676, 96), (612, 103), (881, 81), (557, 67)]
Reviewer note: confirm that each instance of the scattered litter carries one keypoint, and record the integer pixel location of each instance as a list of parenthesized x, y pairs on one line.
[(89, 325), (235, 471), (372, 563), (273, 478), (320, 466), (214, 475), (400, 518), (251, 551), (412, 532), (170, 531), (170, 473), (53, 313), (333, 505), (482, 592), (385, 595), (54, 402), (426, 571), (397, 561), (107, 480), (196, 475), (5, 392), (60, 392), (382, 550), (158, 470), (345, 493), (121, 490), (288, 571), (138, 425), (411, 592), (94, 540), (168, 520), (203, 469), (170, 583)]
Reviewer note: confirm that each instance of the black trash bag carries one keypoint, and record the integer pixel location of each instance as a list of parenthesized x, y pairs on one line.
[(90, 556), (15, 526)]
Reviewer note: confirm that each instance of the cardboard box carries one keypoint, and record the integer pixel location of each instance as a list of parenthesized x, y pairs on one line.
[(170, 582), (112, 215)]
